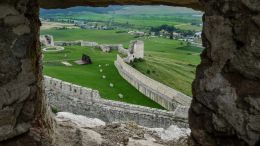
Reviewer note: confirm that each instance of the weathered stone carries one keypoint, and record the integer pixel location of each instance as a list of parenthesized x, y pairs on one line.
[(20, 76), (22, 6), (254, 5), (15, 20), (220, 114), (91, 105), (256, 19), (6, 9), (166, 96), (227, 89), (21, 29), (21, 45)]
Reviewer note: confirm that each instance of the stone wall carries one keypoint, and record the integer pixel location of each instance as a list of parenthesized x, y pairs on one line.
[(23, 108), (109, 47), (46, 40), (75, 43), (227, 86), (225, 107), (135, 51), (84, 101), (158, 92)]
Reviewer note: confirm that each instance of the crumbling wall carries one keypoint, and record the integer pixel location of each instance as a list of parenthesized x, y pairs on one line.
[(226, 92), (64, 96), (135, 51), (47, 40), (225, 108), (158, 92), (22, 106)]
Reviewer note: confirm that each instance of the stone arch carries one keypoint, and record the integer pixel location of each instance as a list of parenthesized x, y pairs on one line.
[(226, 89)]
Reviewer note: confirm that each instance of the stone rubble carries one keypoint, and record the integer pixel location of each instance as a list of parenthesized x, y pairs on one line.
[(94, 132)]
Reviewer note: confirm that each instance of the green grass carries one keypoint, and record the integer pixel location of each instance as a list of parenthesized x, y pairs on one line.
[(168, 61), (138, 21), (90, 75), (139, 17), (188, 26), (99, 36)]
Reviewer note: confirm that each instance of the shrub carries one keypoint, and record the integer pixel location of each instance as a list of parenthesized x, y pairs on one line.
[(121, 31), (139, 60), (54, 110), (148, 71)]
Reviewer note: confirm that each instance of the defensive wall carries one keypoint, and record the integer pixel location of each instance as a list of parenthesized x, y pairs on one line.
[(84, 101), (158, 92)]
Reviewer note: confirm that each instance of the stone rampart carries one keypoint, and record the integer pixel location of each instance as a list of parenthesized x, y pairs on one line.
[(75, 43), (80, 100), (158, 92)]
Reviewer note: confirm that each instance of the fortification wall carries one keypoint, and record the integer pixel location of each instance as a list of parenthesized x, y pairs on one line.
[(158, 92), (75, 43), (80, 100)]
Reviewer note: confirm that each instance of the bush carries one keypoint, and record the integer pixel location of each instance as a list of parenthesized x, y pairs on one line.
[(148, 71), (139, 60), (54, 110), (121, 31)]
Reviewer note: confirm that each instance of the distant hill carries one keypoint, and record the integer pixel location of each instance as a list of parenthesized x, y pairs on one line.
[(123, 10), (80, 10)]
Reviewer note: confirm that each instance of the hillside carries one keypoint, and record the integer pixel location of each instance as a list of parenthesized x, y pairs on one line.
[(138, 17)]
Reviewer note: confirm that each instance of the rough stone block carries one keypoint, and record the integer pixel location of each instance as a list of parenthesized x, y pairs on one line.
[(22, 29), (6, 9)]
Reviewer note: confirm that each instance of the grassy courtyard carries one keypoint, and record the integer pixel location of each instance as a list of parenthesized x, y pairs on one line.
[(168, 61), (99, 36), (90, 75)]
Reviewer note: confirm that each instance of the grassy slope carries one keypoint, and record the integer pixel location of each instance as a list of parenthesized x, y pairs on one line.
[(174, 63), (90, 76), (142, 16), (100, 36), (170, 62)]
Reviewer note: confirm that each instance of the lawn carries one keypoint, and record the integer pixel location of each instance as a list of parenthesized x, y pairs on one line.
[(99, 36), (90, 75), (133, 17), (168, 61)]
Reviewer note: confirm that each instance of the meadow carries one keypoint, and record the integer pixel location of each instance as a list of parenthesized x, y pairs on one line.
[(171, 62), (168, 61), (90, 75), (99, 36), (138, 17)]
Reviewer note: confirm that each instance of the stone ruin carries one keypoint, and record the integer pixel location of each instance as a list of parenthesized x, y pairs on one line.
[(76, 43), (225, 91), (46, 40), (85, 59), (135, 51), (109, 47)]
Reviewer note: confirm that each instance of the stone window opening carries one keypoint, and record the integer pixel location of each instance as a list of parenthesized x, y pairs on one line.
[(222, 89)]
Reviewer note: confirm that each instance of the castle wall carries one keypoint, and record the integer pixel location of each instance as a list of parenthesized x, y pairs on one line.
[(158, 92), (75, 43), (84, 101), (138, 49)]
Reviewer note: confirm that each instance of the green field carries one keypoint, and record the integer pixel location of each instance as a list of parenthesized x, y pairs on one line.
[(90, 75), (132, 17), (168, 61), (99, 36)]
